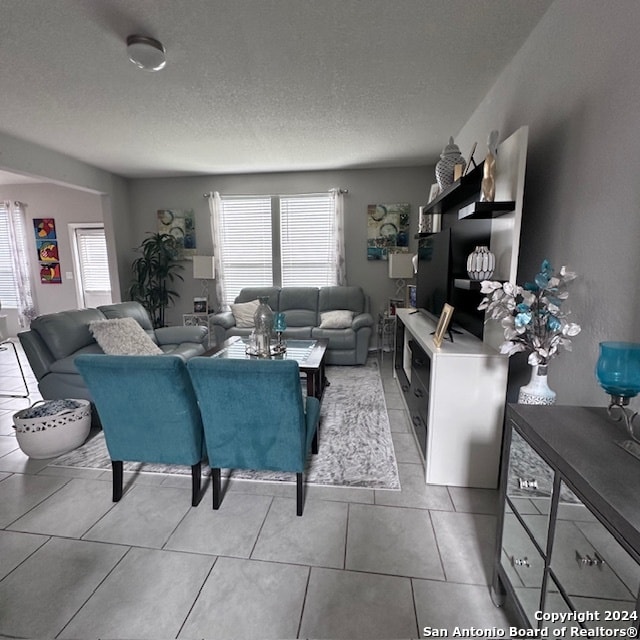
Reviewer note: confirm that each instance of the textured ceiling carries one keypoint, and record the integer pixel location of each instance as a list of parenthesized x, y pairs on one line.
[(252, 85)]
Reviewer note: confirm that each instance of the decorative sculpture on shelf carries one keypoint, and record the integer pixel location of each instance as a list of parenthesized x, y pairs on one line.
[(489, 170)]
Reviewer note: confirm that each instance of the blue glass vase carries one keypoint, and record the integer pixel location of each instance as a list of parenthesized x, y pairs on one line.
[(618, 368)]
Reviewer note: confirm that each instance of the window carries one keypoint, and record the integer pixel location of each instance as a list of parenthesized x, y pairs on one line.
[(307, 241), (8, 284), (93, 285), (277, 241)]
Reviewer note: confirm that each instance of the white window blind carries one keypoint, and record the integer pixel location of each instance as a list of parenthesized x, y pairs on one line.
[(307, 240), (92, 258), (8, 285), (245, 236)]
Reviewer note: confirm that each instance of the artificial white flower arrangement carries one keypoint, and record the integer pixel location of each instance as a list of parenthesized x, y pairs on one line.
[(531, 315)]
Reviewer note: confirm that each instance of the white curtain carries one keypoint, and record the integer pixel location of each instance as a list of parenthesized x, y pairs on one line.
[(215, 209), (17, 226), (338, 257)]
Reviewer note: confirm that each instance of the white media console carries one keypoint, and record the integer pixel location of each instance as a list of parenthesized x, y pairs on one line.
[(455, 395)]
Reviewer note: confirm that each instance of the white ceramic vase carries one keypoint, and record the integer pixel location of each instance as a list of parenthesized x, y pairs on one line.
[(481, 263), (537, 391)]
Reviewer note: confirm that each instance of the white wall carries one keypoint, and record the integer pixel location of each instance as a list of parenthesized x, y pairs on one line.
[(27, 158), (365, 187), (65, 206), (576, 84)]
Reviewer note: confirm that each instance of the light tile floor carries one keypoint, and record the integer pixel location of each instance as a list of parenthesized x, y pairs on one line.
[(359, 564)]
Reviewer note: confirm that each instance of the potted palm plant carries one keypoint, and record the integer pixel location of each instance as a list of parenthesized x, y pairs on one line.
[(154, 273)]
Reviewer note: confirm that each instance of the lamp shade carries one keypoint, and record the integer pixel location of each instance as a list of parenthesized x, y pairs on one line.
[(618, 368), (401, 265), (204, 268)]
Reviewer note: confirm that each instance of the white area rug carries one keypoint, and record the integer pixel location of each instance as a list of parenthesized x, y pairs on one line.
[(355, 446)]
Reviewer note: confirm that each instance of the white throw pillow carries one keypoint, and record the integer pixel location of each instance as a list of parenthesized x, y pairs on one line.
[(339, 319), (123, 337), (243, 312)]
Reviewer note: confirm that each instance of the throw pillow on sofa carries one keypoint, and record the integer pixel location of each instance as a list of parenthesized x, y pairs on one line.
[(123, 337), (243, 313), (339, 319)]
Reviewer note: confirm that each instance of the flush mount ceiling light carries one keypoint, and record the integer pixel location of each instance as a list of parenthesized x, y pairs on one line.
[(146, 53)]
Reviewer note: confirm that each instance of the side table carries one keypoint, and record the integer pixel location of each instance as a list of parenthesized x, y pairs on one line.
[(199, 320), (386, 331)]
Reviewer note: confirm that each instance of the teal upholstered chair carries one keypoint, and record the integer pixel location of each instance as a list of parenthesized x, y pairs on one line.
[(148, 411), (255, 417)]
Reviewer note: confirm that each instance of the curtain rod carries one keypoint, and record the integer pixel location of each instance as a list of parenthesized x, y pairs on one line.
[(342, 191)]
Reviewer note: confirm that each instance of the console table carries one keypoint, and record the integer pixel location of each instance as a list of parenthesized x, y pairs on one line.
[(569, 533), (455, 396)]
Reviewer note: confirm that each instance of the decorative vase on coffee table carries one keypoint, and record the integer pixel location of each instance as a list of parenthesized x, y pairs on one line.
[(537, 391), (263, 320)]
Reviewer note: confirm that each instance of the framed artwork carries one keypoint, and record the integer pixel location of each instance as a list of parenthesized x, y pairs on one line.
[(47, 250), (443, 324), (434, 191), (387, 229), (200, 305), (411, 288), (181, 224), (395, 303), (50, 273), (44, 228)]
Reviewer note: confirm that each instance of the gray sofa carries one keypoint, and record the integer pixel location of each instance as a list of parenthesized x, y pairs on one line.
[(54, 340), (303, 307)]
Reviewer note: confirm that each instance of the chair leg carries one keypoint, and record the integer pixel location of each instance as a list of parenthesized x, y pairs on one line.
[(116, 466), (300, 493), (196, 479), (24, 380), (314, 443), (215, 481)]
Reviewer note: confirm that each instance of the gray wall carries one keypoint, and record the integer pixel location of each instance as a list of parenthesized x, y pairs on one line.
[(365, 187), (576, 83)]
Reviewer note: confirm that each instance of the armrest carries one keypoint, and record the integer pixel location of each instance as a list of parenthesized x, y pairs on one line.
[(178, 335), (224, 319), (362, 320), (38, 354)]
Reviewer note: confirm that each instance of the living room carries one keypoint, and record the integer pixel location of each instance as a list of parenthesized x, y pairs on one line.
[(574, 82)]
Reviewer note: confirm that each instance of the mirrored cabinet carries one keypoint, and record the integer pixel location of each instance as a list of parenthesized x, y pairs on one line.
[(569, 532)]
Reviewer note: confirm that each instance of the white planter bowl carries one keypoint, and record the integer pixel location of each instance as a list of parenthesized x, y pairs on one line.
[(48, 436)]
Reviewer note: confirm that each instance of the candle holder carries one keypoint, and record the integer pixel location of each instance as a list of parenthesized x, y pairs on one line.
[(280, 325), (618, 373)]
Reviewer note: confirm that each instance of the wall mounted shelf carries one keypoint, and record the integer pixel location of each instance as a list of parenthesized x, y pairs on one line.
[(485, 210), (461, 190)]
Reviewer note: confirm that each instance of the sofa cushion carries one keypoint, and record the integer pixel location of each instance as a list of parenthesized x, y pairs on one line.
[(133, 310), (66, 331), (253, 293), (123, 336), (338, 338), (300, 306), (243, 313), (67, 365), (338, 319), (351, 298)]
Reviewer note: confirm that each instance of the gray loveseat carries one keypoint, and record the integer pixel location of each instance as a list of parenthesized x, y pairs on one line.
[(54, 340), (303, 308)]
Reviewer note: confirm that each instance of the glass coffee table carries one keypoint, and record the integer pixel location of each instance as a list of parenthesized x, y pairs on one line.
[(309, 354)]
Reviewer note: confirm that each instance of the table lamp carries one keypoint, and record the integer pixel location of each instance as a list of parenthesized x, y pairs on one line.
[(204, 270), (401, 268), (618, 373)]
